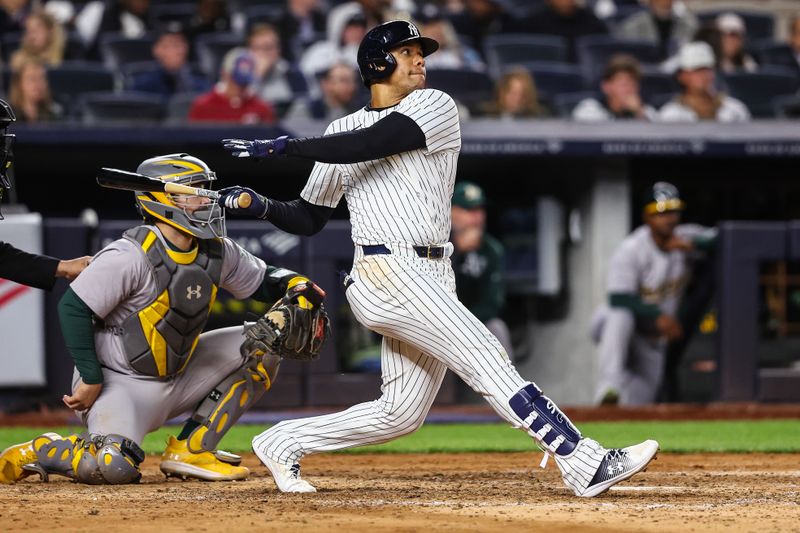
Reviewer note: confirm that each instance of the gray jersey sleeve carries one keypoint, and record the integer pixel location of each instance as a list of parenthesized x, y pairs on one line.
[(118, 272), (437, 115), (242, 272), (623, 272), (324, 186)]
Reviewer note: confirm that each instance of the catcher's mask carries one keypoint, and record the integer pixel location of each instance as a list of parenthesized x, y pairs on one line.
[(6, 148), (200, 218)]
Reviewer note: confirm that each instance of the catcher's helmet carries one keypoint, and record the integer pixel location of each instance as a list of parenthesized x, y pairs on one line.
[(205, 222), (374, 60), (662, 197), (7, 117)]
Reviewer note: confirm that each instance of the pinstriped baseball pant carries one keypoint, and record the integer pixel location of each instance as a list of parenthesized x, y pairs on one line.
[(411, 302)]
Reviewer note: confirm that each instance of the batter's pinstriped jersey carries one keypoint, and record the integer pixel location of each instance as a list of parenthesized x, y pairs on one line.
[(404, 198)]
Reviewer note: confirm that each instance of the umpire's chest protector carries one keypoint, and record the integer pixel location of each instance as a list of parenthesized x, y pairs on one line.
[(160, 338)]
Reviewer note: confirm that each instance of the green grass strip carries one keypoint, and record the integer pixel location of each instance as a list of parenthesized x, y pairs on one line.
[(780, 436)]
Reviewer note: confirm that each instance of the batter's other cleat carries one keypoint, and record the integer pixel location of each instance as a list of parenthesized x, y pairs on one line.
[(14, 457), (178, 461), (287, 477), (591, 470)]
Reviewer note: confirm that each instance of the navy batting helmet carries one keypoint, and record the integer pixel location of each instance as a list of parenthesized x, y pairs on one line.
[(374, 60)]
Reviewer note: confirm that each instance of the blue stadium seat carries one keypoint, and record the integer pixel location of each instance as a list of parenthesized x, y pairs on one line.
[(468, 87), (268, 13), (161, 14), (503, 50), (759, 24), (772, 53), (117, 50), (553, 79), (594, 52), (77, 77), (564, 103), (655, 85), (178, 107), (211, 49), (759, 89), (5, 79), (128, 108)]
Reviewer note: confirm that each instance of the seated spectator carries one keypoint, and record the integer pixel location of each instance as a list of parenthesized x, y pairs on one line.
[(211, 16), (173, 74), (127, 17), (339, 97), (517, 97), (340, 47), (659, 24), (734, 58), (621, 96), (451, 53), (42, 41), (277, 81), (13, 14), (232, 99), (374, 12), (29, 93), (700, 99), (480, 18), (564, 18), (302, 23)]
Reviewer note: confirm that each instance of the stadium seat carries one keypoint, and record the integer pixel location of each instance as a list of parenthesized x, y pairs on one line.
[(161, 14), (268, 13), (564, 103), (178, 107), (468, 87), (772, 53), (77, 77), (759, 89), (5, 79), (211, 49), (594, 52), (508, 49), (129, 108), (760, 25), (117, 50), (555, 78), (656, 87), (787, 107)]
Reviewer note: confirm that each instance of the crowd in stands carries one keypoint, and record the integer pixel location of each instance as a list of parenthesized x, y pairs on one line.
[(262, 61)]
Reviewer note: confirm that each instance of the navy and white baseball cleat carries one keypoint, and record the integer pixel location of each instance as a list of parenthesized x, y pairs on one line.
[(591, 470)]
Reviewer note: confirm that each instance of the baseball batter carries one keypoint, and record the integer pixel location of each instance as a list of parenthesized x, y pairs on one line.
[(646, 280), (132, 322), (395, 163)]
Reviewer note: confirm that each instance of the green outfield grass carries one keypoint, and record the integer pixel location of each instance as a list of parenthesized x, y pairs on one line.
[(702, 436)]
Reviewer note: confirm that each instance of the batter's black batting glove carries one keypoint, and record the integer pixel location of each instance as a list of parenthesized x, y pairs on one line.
[(229, 199), (256, 148)]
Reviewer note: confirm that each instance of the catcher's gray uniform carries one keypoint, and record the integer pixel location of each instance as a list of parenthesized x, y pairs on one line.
[(630, 360)]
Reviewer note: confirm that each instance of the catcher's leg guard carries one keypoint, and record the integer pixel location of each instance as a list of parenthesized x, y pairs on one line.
[(226, 403), (15, 457), (118, 459)]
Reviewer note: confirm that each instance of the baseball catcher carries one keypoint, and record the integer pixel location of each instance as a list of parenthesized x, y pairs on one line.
[(133, 324)]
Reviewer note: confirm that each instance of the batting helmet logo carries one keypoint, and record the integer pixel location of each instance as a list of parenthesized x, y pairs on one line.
[(375, 61)]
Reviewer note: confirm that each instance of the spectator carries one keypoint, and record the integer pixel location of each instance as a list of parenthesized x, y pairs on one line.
[(277, 81), (211, 16), (12, 15), (339, 97), (481, 18), (451, 53), (340, 47), (565, 19), (699, 99), (373, 11), (517, 96), (478, 262), (302, 23), (127, 17), (232, 99), (42, 41), (173, 74), (621, 94), (29, 93), (648, 274), (734, 58), (660, 24)]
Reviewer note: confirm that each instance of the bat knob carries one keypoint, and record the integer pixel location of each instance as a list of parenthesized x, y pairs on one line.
[(244, 200)]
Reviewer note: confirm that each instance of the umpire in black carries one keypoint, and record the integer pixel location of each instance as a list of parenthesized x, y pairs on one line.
[(38, 271)]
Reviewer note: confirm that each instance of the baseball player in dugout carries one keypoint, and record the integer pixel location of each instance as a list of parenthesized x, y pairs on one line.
[(478, 262), (38, 271), (647, 276), (132, 322), (394, 161)]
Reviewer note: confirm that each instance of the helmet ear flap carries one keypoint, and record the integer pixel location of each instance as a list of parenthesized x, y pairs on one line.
[(377, 66)]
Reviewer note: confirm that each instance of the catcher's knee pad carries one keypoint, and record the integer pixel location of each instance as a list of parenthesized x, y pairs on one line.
[(118, 459), (226, 403), (74, 457), (544, 421)]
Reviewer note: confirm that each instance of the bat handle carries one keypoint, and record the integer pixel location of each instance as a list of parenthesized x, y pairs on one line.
[(244, 200)]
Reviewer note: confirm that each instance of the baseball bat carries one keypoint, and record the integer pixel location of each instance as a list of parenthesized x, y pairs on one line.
[(132, 181)]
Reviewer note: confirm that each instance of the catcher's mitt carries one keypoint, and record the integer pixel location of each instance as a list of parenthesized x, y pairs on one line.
[(291, 329)]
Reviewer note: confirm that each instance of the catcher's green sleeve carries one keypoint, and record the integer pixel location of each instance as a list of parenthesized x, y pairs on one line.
[(78, 330), (276, 282)]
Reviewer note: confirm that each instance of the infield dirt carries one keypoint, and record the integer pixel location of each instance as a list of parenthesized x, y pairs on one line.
[(437, 492)]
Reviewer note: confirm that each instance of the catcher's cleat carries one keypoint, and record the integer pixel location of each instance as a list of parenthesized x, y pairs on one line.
[(591, 470), (287, 477), (178, 461), (15, 457)]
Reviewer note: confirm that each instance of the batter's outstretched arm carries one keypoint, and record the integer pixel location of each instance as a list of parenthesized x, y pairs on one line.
[(394, 134)]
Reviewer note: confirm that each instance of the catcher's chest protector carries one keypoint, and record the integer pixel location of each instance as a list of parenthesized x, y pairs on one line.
[(159, 339)]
